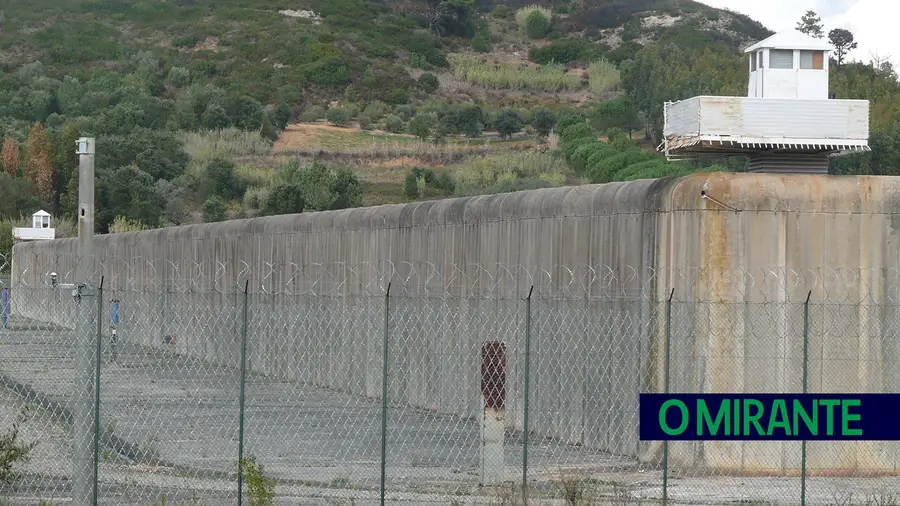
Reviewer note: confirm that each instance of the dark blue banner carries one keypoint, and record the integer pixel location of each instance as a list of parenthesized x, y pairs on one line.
[(772, 417)]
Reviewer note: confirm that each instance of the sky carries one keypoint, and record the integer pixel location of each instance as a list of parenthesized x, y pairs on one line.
[(873, 22)]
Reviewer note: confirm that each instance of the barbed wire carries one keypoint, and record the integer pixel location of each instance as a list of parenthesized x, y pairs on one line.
[(493, 280)]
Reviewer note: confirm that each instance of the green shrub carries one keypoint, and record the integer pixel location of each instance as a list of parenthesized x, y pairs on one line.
[(393, 124), (213, 210), (537, 25), (337, 116), (376, 110), (523, 14), (565, 51), (572, 132), (482, 41), (398, 96), (313, 113), (428, 82)]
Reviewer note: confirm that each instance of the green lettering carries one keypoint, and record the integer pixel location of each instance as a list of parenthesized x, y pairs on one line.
[(847, 417), (829, 418), (703, 417), (737, 417), (684, 417), (811, 424), (779, 407), (754, 419)]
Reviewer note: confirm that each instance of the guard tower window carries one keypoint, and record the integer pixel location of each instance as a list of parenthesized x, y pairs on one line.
[(812, 60), (781, 59), (753, 62)]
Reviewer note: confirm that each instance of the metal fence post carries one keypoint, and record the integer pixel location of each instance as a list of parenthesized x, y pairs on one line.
[(805, 374), (668, 338), (97, 391), (384, 389), (526, 396), (243, 382)]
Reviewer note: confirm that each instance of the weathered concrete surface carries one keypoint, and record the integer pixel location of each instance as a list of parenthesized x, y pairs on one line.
[(601, 258)]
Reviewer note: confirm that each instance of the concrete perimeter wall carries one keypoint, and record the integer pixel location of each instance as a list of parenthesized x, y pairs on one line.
[(602, 258)]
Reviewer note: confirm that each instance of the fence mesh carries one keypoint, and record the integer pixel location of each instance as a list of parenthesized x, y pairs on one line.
[(341, 395)]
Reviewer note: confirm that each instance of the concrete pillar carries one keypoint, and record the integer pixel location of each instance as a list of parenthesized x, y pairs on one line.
[(493, 425)]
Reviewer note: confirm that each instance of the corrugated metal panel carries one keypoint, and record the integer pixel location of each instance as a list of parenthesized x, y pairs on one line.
[(789, 164), (683, 118), (823, 120)]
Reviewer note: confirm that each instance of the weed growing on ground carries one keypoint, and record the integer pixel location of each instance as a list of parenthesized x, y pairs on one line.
[(12, 451), (260, 489)]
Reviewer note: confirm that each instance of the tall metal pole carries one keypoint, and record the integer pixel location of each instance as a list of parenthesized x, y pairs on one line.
[(384, 390), (805, 390), (668, 369), (97, 359), (86, 333), (240, 497), (525, 397)]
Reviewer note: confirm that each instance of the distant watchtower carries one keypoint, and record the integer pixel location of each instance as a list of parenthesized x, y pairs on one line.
[(40, 229), (787, 123)]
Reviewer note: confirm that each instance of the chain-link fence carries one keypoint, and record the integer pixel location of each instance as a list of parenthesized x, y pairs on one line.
[(345, 392)]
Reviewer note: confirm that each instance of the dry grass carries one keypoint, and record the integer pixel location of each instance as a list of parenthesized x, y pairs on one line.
[(494, 74), (320, 135), (229, 142), (488, 170), (604, 77)]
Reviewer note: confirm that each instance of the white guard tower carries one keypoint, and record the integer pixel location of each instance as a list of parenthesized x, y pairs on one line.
[(40, 229), (788, 123)]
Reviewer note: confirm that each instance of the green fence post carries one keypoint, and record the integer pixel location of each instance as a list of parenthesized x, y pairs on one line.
[(243, 382), (526, 396), (384, 389), (668, 337), (805, 374), (97, 392)]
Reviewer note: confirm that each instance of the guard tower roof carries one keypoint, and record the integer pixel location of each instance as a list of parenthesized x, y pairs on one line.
[(791, 39)]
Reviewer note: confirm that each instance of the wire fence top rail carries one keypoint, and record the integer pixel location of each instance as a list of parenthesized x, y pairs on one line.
[(495, 280)]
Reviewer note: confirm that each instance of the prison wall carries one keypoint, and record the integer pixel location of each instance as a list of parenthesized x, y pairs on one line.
[(737, 253)]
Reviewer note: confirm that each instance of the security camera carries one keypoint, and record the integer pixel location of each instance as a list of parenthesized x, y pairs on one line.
[(53, 279)]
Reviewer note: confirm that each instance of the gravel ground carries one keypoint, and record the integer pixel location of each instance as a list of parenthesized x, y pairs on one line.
[(171, 428)]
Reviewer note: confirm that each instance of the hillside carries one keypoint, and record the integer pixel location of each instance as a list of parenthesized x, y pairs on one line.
[(207, 110)]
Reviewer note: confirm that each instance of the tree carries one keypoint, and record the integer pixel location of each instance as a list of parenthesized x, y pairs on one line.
[(843, 43), (811, 24), (422, 124), (284, 198), (129, 192), (38, 169), (508, 123), (214, 210), (220, 179), (543, 121), (283, 115), (10, 157)]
